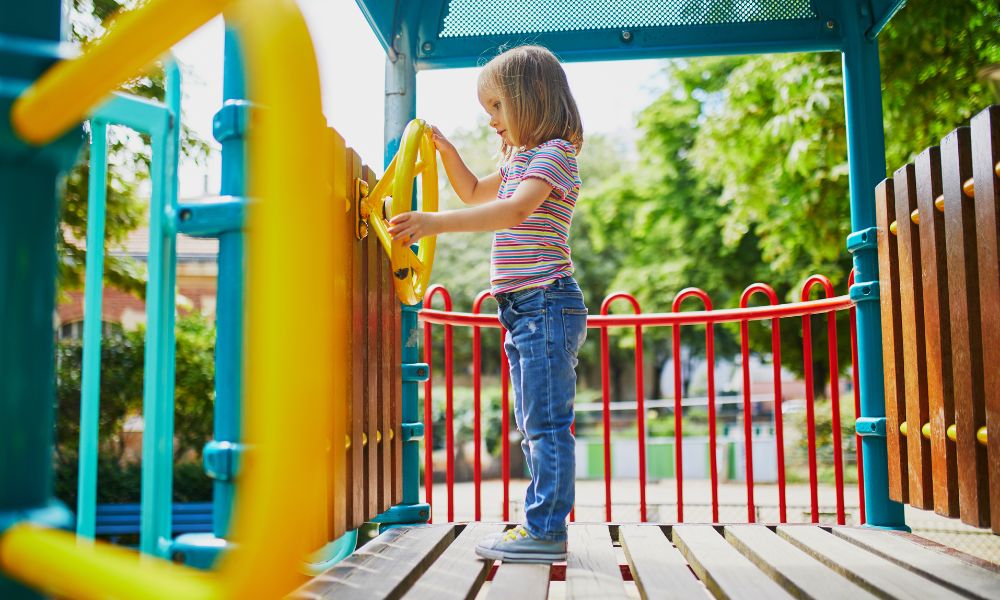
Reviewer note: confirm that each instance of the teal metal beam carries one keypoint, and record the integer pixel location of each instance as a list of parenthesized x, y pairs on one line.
[(866, 156), (883, 11), (30, 36)]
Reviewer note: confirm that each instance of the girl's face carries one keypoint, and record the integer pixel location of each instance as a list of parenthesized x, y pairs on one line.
[(494, 108)]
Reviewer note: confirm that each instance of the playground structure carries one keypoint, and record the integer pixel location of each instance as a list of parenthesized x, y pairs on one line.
[(318, 421)]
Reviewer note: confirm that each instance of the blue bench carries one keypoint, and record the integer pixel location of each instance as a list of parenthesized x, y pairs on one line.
[(115, 520)]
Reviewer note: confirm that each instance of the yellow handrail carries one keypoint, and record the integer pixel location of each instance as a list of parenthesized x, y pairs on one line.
[(66, 93), (292, 357)]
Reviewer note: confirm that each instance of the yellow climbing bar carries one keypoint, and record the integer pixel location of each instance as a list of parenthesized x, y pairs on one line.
[(64, 95), (34, 554), (294, 355)]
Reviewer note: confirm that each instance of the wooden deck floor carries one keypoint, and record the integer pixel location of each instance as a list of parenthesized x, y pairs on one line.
[(662, 561)]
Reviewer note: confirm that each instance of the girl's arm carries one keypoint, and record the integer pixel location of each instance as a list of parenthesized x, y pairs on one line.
[(502, 214), (470, 189)]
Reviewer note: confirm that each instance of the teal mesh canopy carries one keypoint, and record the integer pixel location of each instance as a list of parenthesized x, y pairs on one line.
[(467, 18)]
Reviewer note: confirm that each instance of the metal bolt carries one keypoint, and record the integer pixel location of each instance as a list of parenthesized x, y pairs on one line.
[(831, 24), (427, 47), (364, 230), (185, 214), (626, 35)]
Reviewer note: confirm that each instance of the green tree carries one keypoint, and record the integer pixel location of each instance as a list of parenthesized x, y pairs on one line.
[(128, 169), (743, 172)]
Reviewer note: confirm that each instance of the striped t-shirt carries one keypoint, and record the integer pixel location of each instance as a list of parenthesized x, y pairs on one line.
[(536, 252)]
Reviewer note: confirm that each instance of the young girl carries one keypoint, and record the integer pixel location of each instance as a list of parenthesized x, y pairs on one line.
[(529, 203)]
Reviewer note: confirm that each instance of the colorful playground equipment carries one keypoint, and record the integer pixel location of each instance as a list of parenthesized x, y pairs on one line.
[(317, 428)]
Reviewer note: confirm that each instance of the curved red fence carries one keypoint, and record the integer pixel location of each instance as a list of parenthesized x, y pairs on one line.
[(772, 312)]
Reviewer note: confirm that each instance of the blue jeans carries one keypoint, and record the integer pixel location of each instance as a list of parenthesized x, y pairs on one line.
[(546, 327)]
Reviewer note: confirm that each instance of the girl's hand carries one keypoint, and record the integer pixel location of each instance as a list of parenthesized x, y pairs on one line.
[(440, 142), (410, 227)]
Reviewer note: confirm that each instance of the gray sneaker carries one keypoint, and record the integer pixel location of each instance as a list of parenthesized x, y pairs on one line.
[(517, 546)]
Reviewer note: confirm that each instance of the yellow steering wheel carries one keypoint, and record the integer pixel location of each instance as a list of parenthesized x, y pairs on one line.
[(416, 157)]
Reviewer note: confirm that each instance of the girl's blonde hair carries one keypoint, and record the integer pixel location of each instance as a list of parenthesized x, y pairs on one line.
[(534, 98)]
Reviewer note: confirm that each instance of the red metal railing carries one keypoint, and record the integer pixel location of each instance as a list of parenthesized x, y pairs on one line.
[(708, 317)]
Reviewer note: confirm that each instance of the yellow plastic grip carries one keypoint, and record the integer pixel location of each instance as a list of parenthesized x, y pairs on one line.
[(416, 156)]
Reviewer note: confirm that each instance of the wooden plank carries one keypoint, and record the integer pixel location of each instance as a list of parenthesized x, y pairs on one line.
[(970, 580), (937, 332), (658, 569), (342, 197), (795, 570), (591, 565), (914, 351), (892, 340), (373, 283), (872, 572), (385, 365), (723, 570), (383, 568), (459, 572), (966, 330), (520, 581), (356, 466), (986, 155)]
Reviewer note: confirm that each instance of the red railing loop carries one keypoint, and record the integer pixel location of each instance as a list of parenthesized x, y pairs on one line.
[(477, 388), (433, 291), (640, 404), (838, 463), (853, 315), (678, 412), (772, 296)]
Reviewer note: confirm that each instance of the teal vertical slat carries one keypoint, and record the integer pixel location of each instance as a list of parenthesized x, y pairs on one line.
[(90, 393), (158, 390)]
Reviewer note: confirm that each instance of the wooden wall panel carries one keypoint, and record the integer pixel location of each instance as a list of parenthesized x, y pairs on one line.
[(937, 338), (960, 222), (343, 206), (357, 497), (396, 401), (986, 156), (914, 350), (892, 340), (372, 280)]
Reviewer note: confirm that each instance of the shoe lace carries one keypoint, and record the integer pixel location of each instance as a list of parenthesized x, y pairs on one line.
[(514, 533)]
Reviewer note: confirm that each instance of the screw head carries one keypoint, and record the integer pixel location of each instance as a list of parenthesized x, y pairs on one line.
[(427, 47), (831, 24), (626, 35)]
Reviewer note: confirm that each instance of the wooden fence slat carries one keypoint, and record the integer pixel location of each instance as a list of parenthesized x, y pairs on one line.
[(458, 573), (986, 155), (396, 401), (357, 500), (795, 570), (520, 581), (892, 340), (591, 565), (340, 477), (383, 568), (868, 570), (937, 332), (723, 570), (370, 341), (385, 368), (966, 331), (949, 571), (658, 568), (914, 351)]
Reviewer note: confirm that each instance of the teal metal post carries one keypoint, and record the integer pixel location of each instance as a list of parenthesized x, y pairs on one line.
[(400, 108), (158, 390), (224, 220), (90, 386), (30, 33), (866, 153)]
